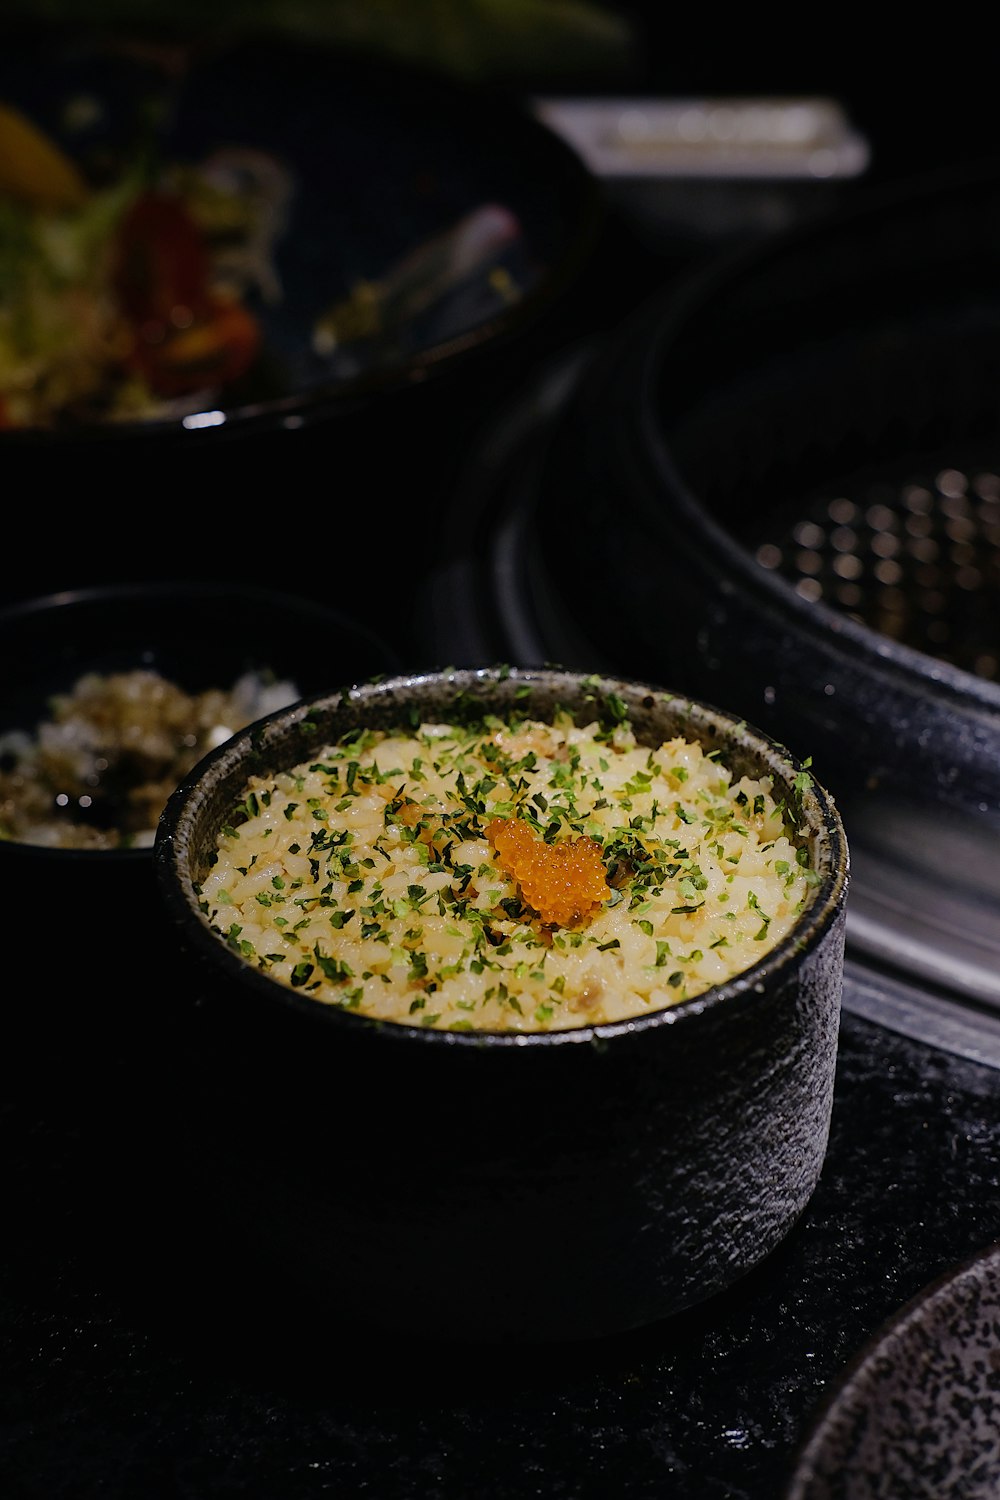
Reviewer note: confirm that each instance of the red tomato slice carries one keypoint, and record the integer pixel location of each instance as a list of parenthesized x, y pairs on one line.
[(185, 335)]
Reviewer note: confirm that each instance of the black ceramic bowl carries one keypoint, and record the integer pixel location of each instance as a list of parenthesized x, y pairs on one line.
[(376, 224), (499, 1185), (414, 242), (85, 915)]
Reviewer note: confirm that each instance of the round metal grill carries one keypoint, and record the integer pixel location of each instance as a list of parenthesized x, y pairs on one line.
[(917, 560)]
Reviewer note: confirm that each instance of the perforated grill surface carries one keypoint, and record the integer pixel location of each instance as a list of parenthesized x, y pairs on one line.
[(916, 559)]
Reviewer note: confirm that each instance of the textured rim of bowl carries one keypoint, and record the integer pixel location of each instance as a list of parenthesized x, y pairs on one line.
[(821, 820), (829, 1434), (158, 591)]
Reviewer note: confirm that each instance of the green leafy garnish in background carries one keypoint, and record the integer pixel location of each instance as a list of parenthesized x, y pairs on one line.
[(489, 41)]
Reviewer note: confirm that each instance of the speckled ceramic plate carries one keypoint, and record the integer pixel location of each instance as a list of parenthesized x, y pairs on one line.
[(917, 1414)]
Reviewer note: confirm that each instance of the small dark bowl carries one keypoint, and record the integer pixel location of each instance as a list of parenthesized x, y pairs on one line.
[(86, 917), (502, 1186)]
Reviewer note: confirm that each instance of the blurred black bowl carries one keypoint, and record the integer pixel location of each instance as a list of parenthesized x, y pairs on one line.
[(505, 1184), (377, 223), (404, 241)]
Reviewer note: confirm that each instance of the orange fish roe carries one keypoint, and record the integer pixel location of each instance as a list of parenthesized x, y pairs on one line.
[(563, 882)]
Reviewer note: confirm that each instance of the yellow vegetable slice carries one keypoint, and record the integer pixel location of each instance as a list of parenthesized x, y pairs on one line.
[(33, 168)]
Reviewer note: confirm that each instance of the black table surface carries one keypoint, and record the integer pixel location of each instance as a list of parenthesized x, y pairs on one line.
[(143, 1357)]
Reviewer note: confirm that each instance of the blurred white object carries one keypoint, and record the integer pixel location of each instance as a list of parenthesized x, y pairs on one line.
[(803, 138)]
